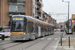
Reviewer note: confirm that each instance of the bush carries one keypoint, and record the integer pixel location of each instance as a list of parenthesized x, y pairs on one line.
[(1, 28)]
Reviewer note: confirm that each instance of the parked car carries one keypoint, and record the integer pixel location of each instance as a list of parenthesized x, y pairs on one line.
[(62, 30), (5, 32), (58, 29), (70, 31), (54, 30)]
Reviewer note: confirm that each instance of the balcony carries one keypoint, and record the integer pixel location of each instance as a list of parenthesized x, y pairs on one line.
[(21, 2), (38, 10), (39, 2), (40, 18), (16, 13)]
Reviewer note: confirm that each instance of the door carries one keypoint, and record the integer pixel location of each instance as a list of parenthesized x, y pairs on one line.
[(39, 31)]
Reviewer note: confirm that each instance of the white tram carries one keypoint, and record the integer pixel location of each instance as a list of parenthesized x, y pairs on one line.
[(26, 27)]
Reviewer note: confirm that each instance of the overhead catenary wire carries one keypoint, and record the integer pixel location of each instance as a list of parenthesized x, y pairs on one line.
[(50, 6), (53, 8), (62, 9)]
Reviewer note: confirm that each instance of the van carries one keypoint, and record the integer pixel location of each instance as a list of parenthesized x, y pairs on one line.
[(70, 31), (5, 32)]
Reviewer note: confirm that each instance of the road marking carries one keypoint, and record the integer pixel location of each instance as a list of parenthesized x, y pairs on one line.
[(64, 38), (57, 44), (49, 38), (42, 38), (55, 38), (67, 47)]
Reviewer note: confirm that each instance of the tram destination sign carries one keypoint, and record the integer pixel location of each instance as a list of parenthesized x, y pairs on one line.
[(18, 19)]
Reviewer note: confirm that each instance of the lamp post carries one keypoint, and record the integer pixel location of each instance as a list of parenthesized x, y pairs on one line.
[(68, 13)]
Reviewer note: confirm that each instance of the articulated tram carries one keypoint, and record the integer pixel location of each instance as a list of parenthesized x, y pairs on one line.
[(26, 27)]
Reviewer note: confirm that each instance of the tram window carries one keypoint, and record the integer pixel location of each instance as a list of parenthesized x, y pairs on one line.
[(30, 27), (50, 28), (17, 26), (41, 28), (36, 27)]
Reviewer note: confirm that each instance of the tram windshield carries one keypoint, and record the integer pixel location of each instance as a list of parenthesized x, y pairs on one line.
[(17, 26)]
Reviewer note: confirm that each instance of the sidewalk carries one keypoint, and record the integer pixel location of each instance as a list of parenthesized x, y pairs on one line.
[(65, 42)]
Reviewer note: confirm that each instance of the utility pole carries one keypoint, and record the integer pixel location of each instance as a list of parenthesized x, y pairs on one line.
[(68, 13), (68, 17)]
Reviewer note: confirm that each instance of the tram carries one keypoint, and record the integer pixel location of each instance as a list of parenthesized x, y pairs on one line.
[(26, 27)]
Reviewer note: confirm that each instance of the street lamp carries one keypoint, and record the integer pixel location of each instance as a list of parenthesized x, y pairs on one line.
[(68, 13)]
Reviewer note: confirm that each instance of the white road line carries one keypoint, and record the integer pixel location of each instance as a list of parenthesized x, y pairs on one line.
[(64, 38), (55, 38), (57, 44), (49, 38), (42, 38), (67, 47)]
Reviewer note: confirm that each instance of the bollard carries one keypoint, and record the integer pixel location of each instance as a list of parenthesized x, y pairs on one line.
[(69, 42), (62, 34), (3, 37), (61, 40)]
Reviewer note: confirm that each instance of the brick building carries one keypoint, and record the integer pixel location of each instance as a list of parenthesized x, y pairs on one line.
[(47, 18), (73, 22), (23, 7)]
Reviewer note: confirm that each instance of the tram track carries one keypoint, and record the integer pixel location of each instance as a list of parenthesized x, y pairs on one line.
[(37, 41), (15, 45), (5, 43), (48, 43), (33, 44), (12, 46)]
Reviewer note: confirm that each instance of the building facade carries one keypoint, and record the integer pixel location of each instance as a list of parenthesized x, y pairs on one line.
[(19, 7), (61, 25), (73, 22), (47, 18)]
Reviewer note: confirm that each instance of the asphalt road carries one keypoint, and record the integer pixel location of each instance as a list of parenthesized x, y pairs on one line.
[(43, 43)]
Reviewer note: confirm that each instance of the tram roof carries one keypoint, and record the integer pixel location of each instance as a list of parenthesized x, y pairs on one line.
[(30, 17)]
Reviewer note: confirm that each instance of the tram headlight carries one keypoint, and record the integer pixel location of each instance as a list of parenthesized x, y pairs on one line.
[(24, 33)]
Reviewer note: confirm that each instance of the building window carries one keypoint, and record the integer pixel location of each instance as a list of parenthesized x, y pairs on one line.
[(16, 8), (20, 8), (12, 8)]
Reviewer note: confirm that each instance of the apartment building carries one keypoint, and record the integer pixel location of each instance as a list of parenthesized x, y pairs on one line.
[(47, 18), (0, 12), (19, 7), (73, 22)]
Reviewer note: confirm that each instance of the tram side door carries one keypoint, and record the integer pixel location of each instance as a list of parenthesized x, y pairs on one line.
[(39, 31)]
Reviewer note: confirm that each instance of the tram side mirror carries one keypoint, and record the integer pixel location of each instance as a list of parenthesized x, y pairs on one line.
[(25, 19)]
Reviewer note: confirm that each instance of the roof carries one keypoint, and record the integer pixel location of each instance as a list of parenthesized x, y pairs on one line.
[(32, 18)]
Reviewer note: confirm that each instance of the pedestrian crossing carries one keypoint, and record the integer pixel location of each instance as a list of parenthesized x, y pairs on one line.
[(49, 38)]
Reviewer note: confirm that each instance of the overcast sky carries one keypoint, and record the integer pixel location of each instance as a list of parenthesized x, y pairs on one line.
[(57, 6)]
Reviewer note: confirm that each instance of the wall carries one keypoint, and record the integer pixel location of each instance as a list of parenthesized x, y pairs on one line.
[(26, 7), (0, 12), (73, 18), (5, 10)]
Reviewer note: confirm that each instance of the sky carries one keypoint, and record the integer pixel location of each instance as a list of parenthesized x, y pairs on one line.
[(58, 7)]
